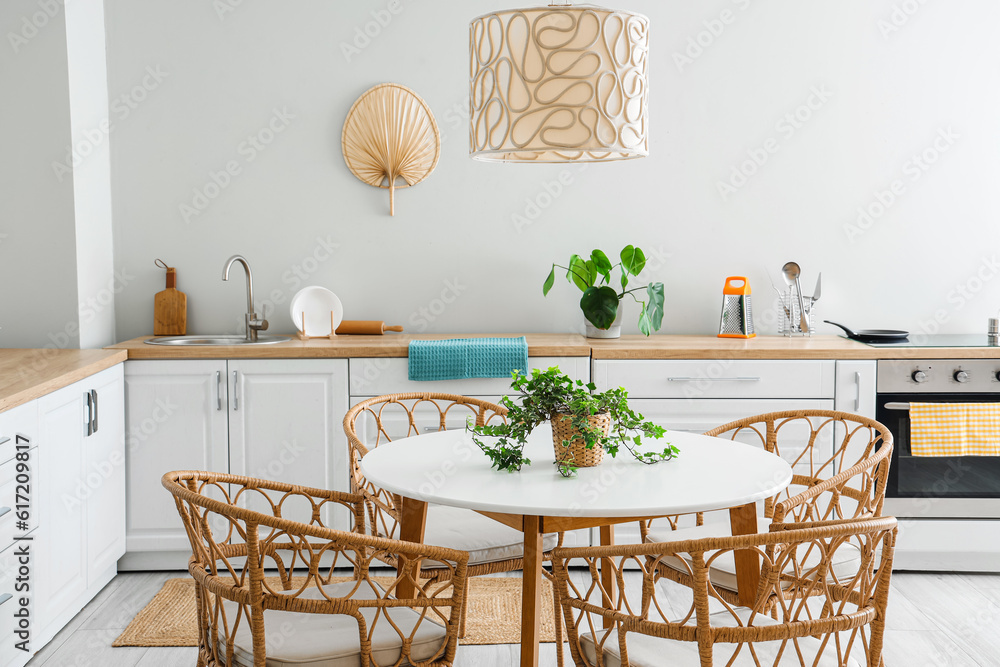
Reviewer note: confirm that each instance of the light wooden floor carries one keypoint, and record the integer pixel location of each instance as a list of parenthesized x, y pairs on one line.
[(947, 620)]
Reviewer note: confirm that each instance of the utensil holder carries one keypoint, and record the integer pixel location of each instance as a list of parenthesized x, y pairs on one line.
[(789, 321)]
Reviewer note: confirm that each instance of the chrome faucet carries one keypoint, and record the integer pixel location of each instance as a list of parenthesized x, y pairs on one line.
[(253, 324)]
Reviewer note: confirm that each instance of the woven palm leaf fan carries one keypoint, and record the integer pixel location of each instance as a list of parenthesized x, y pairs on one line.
[(390, 135)]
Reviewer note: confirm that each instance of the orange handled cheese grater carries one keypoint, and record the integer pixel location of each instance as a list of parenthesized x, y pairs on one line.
[(737, 316)]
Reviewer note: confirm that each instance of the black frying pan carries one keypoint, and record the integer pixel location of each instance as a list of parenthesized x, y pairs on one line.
[(873, 335)]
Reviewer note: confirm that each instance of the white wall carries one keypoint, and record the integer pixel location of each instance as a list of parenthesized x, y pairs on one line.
[(210, 78), (38, 306), (91, 131)]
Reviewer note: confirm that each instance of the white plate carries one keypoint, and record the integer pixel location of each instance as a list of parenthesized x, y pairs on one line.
[(317, 303)]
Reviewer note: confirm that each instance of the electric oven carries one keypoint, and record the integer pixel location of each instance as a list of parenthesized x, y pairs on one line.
[(937, 486)]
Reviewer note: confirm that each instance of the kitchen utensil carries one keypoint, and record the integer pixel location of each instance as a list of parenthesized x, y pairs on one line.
[(792, 272), (169, 306), (316, 311), (737, 316), (365, 327), (873, 335), (818, 290)]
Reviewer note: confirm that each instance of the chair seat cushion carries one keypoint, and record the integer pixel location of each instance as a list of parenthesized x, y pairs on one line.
[(333, 640), (722, 572), (647, 651), (486, 540)]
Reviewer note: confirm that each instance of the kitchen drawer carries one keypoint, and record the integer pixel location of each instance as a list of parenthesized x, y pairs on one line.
[(701, 416), (379, 376), (24, 420), (718, 378)]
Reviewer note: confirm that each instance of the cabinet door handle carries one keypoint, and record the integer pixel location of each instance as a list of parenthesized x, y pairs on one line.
[(5, 597), (4, 439), (857, 395), (93, 392), (737, 379), (90, 413), (236, 392), (4, 510), (218, 390)]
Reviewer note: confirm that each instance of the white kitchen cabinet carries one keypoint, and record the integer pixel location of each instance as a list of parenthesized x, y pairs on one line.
[(286, 422), (104, 481), (271, 418), (856, 387), (176, 418), (78, 486)]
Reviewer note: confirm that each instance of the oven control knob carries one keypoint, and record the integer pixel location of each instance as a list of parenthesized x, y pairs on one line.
[(919, 376), (961, 376)]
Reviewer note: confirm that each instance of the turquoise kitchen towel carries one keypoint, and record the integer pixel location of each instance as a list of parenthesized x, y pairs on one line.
[(458, 358)]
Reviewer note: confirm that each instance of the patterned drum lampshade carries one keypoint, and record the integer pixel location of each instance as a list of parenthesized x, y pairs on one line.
[(560, 83)]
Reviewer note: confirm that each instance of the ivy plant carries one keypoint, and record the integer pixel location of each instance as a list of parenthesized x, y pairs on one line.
[(544, 394), (600, 301)]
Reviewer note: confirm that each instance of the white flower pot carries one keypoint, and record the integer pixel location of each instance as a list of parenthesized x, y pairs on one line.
[(614, 331)]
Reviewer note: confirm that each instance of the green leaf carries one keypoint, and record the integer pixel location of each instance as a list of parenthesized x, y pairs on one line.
[(602, 263), (633, 260), (645, 328), (579, 273), (550, 281), (600, 306), (654, 307), (592, 271)]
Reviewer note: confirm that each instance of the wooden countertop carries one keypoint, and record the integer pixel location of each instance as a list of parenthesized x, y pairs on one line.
[(770, 347), (659, 346), (712, 347), (28, 374), (389, 345)]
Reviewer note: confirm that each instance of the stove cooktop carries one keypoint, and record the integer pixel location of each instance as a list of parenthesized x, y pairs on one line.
[(941, 340)]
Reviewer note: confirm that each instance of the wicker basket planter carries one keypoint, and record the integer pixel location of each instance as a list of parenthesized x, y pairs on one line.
[(577, 452)]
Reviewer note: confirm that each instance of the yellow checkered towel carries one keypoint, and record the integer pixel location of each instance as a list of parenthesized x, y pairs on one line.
[(955, 429)]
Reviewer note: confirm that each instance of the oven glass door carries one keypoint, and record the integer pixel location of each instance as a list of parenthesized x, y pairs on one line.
[(934, 476)]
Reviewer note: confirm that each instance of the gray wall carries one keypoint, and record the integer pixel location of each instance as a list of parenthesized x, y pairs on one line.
[(38, 307), (885, 87)]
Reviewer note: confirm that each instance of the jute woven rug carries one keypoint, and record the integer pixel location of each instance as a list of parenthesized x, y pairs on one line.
[(493, 617)]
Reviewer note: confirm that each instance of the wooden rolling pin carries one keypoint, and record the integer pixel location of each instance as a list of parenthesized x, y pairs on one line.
[(365, 327)]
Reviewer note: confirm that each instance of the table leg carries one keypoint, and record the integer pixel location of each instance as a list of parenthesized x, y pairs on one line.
[(414, 516), (744, 522), (607, 572), (531, 594)]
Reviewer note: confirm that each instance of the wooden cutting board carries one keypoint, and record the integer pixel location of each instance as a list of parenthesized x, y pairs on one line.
[(170, 309)]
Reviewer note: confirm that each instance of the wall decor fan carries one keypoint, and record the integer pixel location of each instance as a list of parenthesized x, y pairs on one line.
[(390, 135)]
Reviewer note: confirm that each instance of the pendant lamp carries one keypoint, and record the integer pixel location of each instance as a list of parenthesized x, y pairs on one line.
[(560, 83)]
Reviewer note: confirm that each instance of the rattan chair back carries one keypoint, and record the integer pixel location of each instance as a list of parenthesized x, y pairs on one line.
[(835, 615), (846, 481), (239, 527), (382, 419)]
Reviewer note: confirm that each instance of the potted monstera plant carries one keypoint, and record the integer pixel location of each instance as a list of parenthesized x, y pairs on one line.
[(585, 424), (601, 302)]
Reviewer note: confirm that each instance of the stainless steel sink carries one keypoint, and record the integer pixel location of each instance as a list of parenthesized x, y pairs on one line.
[(216, 340)]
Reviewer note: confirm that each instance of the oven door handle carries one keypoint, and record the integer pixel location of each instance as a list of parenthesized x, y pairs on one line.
[(892, 405)]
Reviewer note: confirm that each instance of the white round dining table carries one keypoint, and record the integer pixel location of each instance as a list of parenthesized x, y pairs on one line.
[(448, 468)]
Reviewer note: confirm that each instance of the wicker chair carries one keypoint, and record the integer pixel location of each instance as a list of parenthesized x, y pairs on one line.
[(828, 619), (847, 481), (305, 615)]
